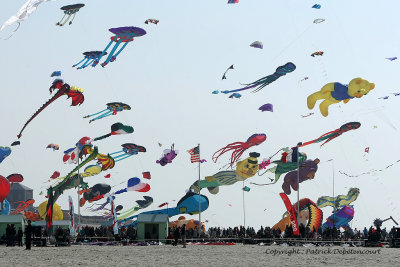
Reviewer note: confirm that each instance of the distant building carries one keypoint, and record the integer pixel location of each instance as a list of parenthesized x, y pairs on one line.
[(17, 193)]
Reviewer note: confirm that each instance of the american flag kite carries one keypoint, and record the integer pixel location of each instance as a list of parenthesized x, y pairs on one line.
[(194, 154)]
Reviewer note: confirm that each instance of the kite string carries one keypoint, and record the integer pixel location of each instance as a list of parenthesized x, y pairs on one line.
[(373, 171)]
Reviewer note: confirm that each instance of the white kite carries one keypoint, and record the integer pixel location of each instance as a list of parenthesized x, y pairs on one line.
[(23, 13)]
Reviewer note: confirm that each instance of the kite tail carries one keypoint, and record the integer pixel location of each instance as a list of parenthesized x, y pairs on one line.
[(79, 62), (94, 114), (87, 64), (60, 92), (225, 149), (240, 89), (122, 48), (102, 54), (59, 23), (112, 52), (102, 137)]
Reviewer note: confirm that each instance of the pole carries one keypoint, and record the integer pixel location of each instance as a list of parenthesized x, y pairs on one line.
[(199, 192), (79, 206), (333, 192), (298, 183), (244, 213)]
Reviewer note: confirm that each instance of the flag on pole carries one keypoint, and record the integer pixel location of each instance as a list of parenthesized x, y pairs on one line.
[(194, 154)]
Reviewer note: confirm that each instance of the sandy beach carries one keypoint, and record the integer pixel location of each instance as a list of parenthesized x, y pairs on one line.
[(167, 255)]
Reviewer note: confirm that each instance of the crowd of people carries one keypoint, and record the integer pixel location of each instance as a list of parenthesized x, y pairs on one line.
[(14, 237)]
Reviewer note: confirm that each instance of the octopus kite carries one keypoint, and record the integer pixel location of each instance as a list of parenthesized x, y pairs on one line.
[(122, 35), (261, 83), (112, 109), (333, 134), (63, 89), (239, 147), (69, 10)]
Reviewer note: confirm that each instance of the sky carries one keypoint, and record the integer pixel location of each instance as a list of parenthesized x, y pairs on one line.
[(167, 77)]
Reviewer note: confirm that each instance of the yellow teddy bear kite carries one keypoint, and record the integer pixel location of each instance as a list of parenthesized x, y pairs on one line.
[(333, 93)]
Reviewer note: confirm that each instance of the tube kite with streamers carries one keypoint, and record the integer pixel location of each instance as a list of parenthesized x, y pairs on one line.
[(112, 109), (69, 10), (122, 35)]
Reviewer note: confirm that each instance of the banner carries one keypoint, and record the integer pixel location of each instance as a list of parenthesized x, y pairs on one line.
[(292, 214), (72, 215), (114, 215)]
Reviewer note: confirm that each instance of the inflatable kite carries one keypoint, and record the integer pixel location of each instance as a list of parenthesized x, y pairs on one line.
[(5, 206), (292, 179), (23, 13), (339, 201), (134, 184), (266, 107), (230, 68), (154, 21), (240, 147), (127, 151), (318, 53), (112, 109), (310, 215), (15, 143), (53, 146), (327, 137), (190, 224), (316, 6), (116, 129), (69, 10), (189, 204), (391, 58), (261, 83), (22, 206), (4, 153), (88, 59), (316, 21), (245, 169), (333, 93), (122, 35), (94, 193), (257, 44), (57, 212), (63, 89), (168, 156), (56, 73), (235, 95), (287, 163), (141, 204), (340, 219), (4, 188), (33, 216)]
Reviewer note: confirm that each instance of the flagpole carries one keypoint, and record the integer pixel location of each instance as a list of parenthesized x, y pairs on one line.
[(199, 193), (244, 213), (79, 206), (298, 184)]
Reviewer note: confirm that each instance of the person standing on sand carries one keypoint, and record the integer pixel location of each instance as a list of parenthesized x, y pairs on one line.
[(19, 236), (28, 235), (183, 235), (176, 236)]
